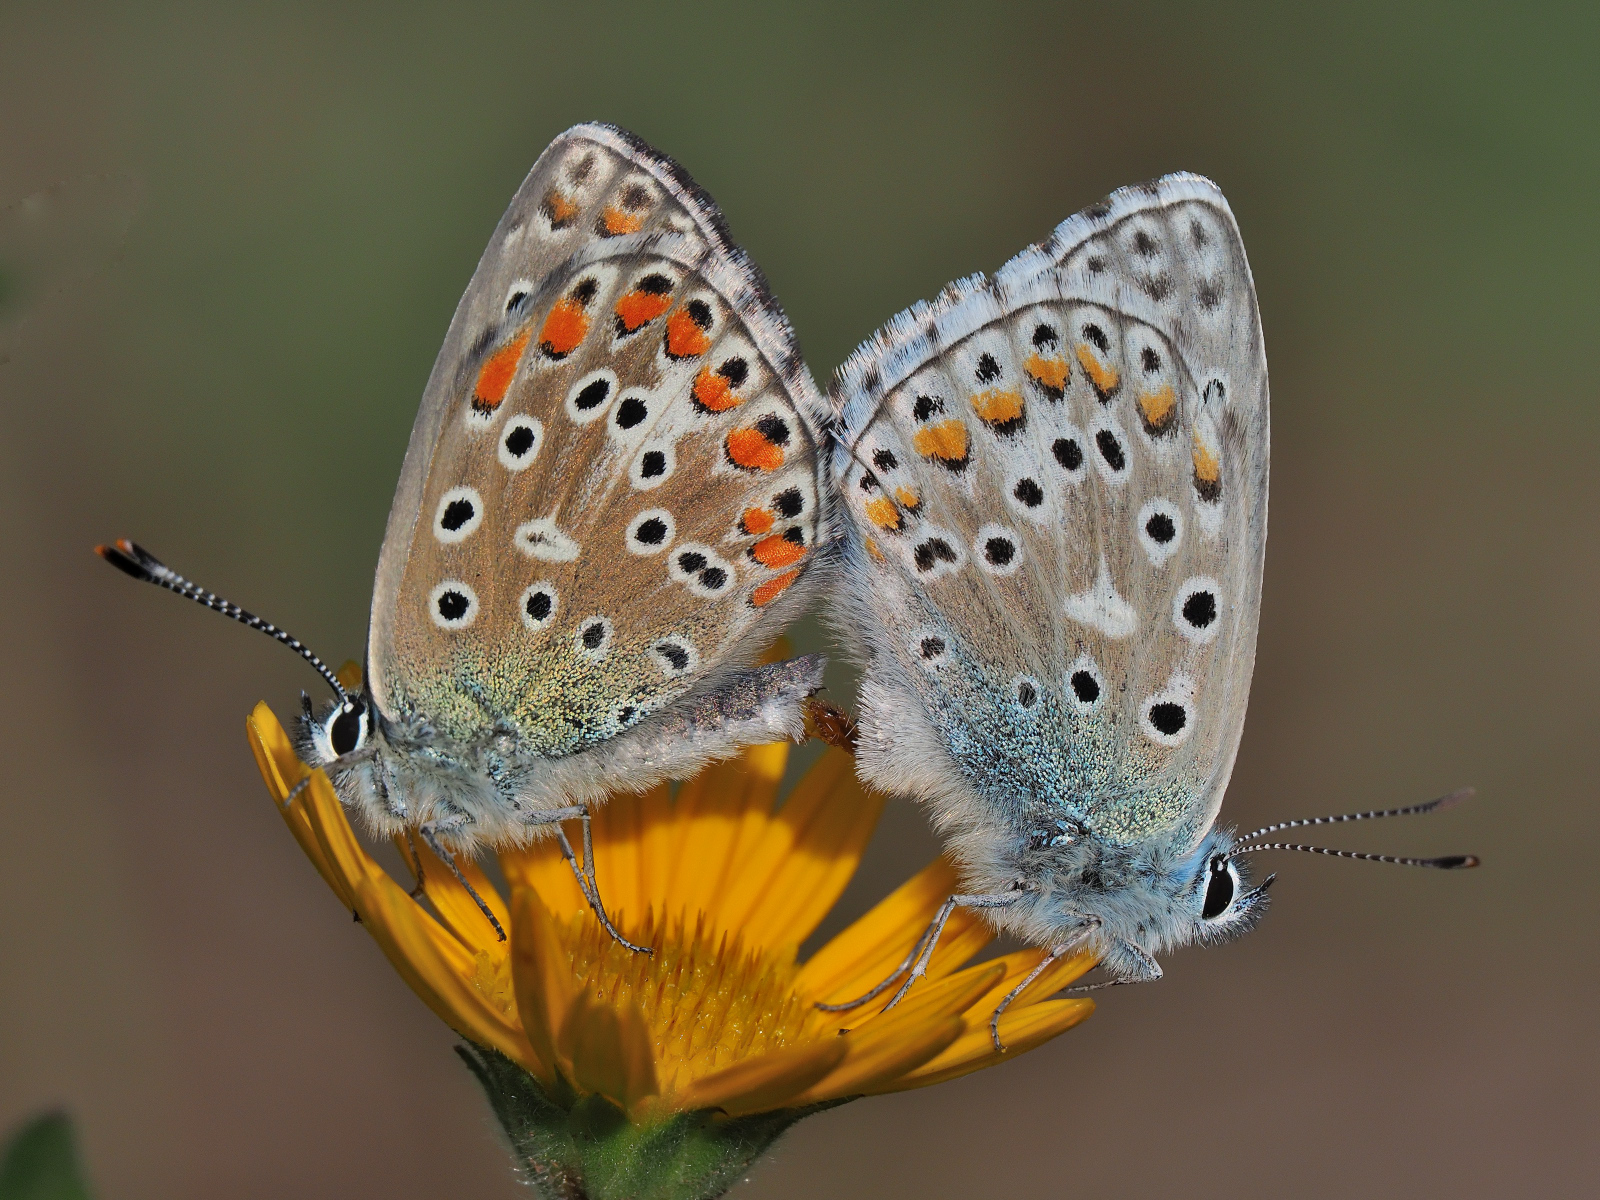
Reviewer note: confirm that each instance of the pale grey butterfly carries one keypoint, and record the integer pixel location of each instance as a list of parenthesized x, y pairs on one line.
[(615, 494), (1055, 493)]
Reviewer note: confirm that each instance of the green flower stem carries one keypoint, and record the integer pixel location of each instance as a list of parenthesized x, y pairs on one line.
[(588, 1150)]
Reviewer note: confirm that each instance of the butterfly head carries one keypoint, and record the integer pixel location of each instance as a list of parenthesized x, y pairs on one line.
[(342, 726), (1219, 898)]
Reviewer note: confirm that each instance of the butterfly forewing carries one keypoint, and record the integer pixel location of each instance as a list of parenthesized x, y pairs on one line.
[(1056, 483), (614, 481)]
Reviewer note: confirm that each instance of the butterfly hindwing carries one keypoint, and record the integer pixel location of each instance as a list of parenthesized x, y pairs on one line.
[(1055, 486), (615, 477)]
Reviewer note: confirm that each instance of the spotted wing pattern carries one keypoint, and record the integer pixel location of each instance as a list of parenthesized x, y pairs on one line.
[(1055, 484), (614, 482)]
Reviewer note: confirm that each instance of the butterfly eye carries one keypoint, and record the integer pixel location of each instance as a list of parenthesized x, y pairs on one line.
[(347, 729), (1220, 889)]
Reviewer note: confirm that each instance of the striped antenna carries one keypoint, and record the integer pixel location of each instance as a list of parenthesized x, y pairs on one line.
[(1443, 802), (135, 560)]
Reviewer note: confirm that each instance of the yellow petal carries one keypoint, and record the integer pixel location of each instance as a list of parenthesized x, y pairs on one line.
[(280, 769), (349, 675), (609, 1048), (346, 856), (616, 857), (766, 1082), (541, 975), (409, 940), (888, 1046), (763, 770), (860, 957), (710, 816), (875, 1061), (657, 834), (780, 893), (1020, 1030), (456, 908)]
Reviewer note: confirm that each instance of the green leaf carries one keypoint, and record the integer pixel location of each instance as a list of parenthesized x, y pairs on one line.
[(41, 1162), (586, 1149)]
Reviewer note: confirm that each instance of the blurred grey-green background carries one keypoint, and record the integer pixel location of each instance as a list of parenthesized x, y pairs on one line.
[(235, 380)]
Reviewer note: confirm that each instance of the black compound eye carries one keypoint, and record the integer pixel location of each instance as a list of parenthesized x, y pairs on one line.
[(348, 730), (1219, 890)]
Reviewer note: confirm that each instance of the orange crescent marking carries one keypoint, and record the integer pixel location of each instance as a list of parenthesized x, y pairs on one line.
[(495, 376), (1051, 372), (1105, 379), (634, 309), (1157, 405), (908, 498), (564, 328), (882, 513), (872, 549), (618, 222), (558, 208), (947, 439), (684, 337), (751, 449), (1207, 468), (756, 521), (714, 392), (773, 588), (997, 407), (777, 552)]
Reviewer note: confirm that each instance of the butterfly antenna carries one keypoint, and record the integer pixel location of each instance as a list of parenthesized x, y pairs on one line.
[(135, 560), (1443, 802), (1450, 862)]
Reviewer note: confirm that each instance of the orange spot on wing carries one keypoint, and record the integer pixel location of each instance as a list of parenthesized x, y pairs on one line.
[(684, 338), (773, 588), (617, 222), (882, 513), (1207, 470), (713, 391), (1207, 466), (558, 208), (1157, 408), (946, 440), (753, 450), (636, 308), (1104, 378), (908, 499), (564, 329), (872, 549), (1048, 373), (777, 552), (998, 408), (756, 521), (495, 376)]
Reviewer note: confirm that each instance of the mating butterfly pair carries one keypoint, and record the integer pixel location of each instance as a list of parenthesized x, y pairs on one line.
[(1038, 502)]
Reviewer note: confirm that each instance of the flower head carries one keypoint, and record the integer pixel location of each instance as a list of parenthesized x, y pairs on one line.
[(723, 883)]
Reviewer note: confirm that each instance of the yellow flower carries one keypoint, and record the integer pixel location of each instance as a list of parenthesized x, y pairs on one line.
[(724, 885)]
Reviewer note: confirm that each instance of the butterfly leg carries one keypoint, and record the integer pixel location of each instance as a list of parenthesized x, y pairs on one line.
[(584, 874), (1125, 963), (417, 891), (922, 952), (936, 931), (994, 1019), (882, 986), (430, 836)]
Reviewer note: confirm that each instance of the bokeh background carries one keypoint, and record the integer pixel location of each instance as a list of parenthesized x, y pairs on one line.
[(233, 382)]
